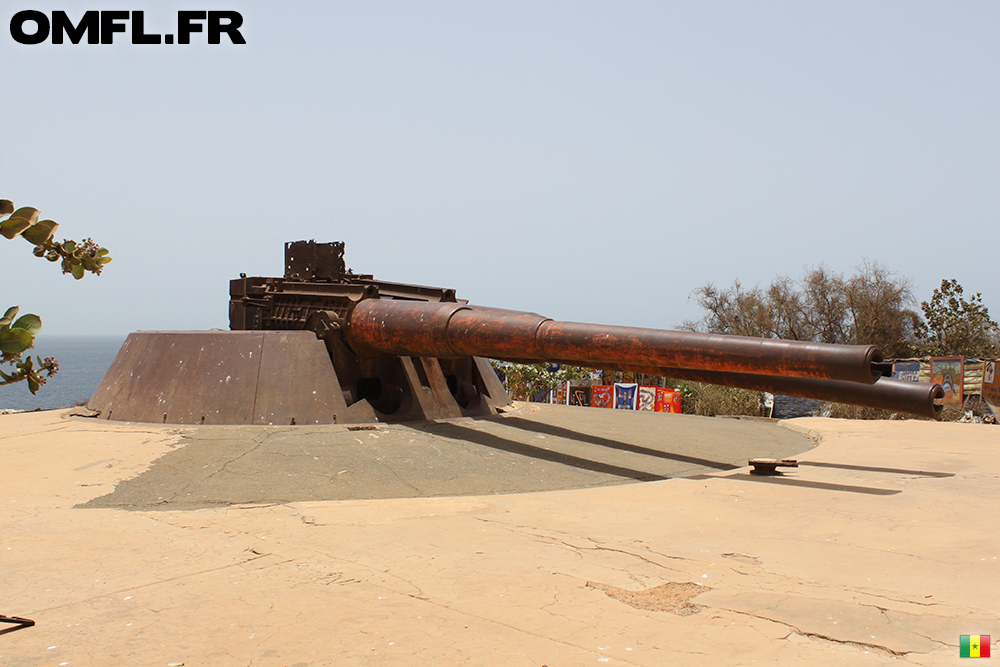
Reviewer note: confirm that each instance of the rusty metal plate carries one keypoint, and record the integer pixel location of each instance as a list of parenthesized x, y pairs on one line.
[(182, 377), (296, 383)]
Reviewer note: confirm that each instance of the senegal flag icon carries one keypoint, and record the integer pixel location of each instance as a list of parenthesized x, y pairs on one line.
[(974, 646)]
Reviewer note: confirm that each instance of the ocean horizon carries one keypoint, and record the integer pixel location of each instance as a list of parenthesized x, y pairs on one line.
[(83, 361)]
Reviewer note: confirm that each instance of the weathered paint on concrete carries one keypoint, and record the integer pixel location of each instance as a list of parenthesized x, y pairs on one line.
[(524, 451)]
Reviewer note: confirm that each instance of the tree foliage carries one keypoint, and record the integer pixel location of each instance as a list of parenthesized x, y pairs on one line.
[(953, 326), (872, 306), (710, 400), (524, 381), (77, 259), (879, 310)]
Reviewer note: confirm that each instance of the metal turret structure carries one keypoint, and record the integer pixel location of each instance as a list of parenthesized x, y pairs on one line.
[(337, 347)]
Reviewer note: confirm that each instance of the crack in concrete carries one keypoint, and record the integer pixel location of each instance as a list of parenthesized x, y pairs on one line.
[(863, 591), (259, 439), (419, 595), (848, 642), (147, 585), (131, 429), (527, 632), (899, 553), (621, 551), (255, 506), (663, 555), (401, 480), (823, 585), (817, 635), (555, 538), (52, 429), (936, 641)]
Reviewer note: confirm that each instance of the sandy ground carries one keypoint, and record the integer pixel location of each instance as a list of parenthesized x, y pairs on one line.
[(881, 548)]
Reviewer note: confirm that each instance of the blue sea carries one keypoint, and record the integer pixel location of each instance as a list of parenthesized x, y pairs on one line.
[(83, 360)]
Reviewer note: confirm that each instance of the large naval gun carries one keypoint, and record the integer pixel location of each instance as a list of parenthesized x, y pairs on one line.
[(325, 345)]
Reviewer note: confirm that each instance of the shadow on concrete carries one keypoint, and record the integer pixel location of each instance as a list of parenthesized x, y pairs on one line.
[(463, 434), (13, 629), (804, 483), (891, 471), (569, 434)]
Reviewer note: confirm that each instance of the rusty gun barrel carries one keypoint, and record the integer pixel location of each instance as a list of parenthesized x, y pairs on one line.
[(450, 330)]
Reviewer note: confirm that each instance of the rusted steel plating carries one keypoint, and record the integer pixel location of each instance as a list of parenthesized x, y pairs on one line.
[(450, 330)]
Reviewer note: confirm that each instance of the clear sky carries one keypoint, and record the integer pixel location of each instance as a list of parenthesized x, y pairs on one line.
[(587, 161)]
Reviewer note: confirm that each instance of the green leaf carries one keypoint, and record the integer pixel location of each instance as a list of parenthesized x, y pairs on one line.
[(77, 271), (30, 323), (69, 246), (11, 227), (15, 341), (6, 207), (26, 213), (40, 232), (103, 260), (9, 316), (101, 252), (38, 251), (33, 384), (89, 264)]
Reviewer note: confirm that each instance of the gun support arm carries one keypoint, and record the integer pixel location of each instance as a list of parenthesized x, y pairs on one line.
[(917, 398)]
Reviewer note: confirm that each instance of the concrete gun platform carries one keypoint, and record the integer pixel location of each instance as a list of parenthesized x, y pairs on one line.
[(144, 545)]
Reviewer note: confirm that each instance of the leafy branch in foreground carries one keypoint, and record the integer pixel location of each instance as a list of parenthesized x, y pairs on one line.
[(16, 336), (78, 258)]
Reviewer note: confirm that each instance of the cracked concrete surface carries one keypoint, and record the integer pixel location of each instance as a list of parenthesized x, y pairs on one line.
[(787, 574)]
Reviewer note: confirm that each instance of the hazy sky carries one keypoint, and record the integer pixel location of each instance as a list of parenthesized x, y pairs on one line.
[(588, 161)]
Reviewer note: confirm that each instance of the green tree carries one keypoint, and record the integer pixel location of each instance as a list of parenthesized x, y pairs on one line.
[(710, 400), (523, 381), (18, 336), (953, 326)]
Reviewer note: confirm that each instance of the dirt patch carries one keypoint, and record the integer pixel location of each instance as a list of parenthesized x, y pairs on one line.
[(672, 597)]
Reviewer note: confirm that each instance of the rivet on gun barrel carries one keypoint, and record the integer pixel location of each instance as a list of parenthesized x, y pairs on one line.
[(326, 345)]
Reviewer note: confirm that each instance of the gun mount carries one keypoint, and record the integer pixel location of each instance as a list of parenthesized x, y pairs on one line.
[(337, 347)]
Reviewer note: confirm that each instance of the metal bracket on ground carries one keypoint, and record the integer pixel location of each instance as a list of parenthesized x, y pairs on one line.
[(770, 466)]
